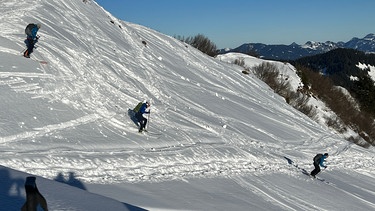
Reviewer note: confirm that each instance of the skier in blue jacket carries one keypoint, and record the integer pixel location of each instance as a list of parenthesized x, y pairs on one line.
[(319, 160), (31, 31), (145, 109)]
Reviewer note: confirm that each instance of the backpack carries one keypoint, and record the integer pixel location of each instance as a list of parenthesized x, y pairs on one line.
[(28, 29), (317, 158), (136, 109)]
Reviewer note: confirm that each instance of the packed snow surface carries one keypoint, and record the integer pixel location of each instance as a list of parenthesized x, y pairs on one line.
[(218, 139)]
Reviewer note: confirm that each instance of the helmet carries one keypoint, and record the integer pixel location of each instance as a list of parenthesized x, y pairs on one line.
[(38, 25), (326, 154)]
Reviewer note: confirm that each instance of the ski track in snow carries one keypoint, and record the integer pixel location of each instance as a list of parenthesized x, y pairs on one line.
[(283, 200), (122, 165)]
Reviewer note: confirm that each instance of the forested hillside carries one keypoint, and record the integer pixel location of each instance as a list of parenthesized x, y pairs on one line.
[(351, 70)]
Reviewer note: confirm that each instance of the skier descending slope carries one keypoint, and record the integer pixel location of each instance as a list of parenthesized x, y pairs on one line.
[(144, 109), (318, 160), (31, 31)]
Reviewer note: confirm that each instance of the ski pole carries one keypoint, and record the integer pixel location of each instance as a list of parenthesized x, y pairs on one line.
[(23, 50), (321, 171), (149, 118)]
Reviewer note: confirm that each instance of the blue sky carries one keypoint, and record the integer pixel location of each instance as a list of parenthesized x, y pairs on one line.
[(232, 23)]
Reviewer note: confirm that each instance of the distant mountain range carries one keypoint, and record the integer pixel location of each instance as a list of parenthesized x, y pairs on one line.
[(295, 51)]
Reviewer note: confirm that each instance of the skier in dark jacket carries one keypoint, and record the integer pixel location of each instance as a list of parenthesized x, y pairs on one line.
[(318, 161), (145, 109), (31, 31)]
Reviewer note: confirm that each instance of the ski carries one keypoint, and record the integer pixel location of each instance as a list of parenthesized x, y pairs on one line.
[(153, 133), (303, 171), (318, 179), (40, 61), (150, 133)]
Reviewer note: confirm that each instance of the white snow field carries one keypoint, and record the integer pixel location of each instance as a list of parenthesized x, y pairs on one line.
[(218, 139)]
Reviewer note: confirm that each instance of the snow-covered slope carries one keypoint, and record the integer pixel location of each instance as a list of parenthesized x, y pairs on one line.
[(371, 68), (218, 139), (59, 196)]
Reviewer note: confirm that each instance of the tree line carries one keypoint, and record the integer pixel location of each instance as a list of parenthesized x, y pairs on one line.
[(323, 76), (200, 42), (341, 66)]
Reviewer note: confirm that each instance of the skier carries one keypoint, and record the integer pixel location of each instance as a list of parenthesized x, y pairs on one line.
[(33, 196), (144, 109), (318, 160), (31, 31)]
